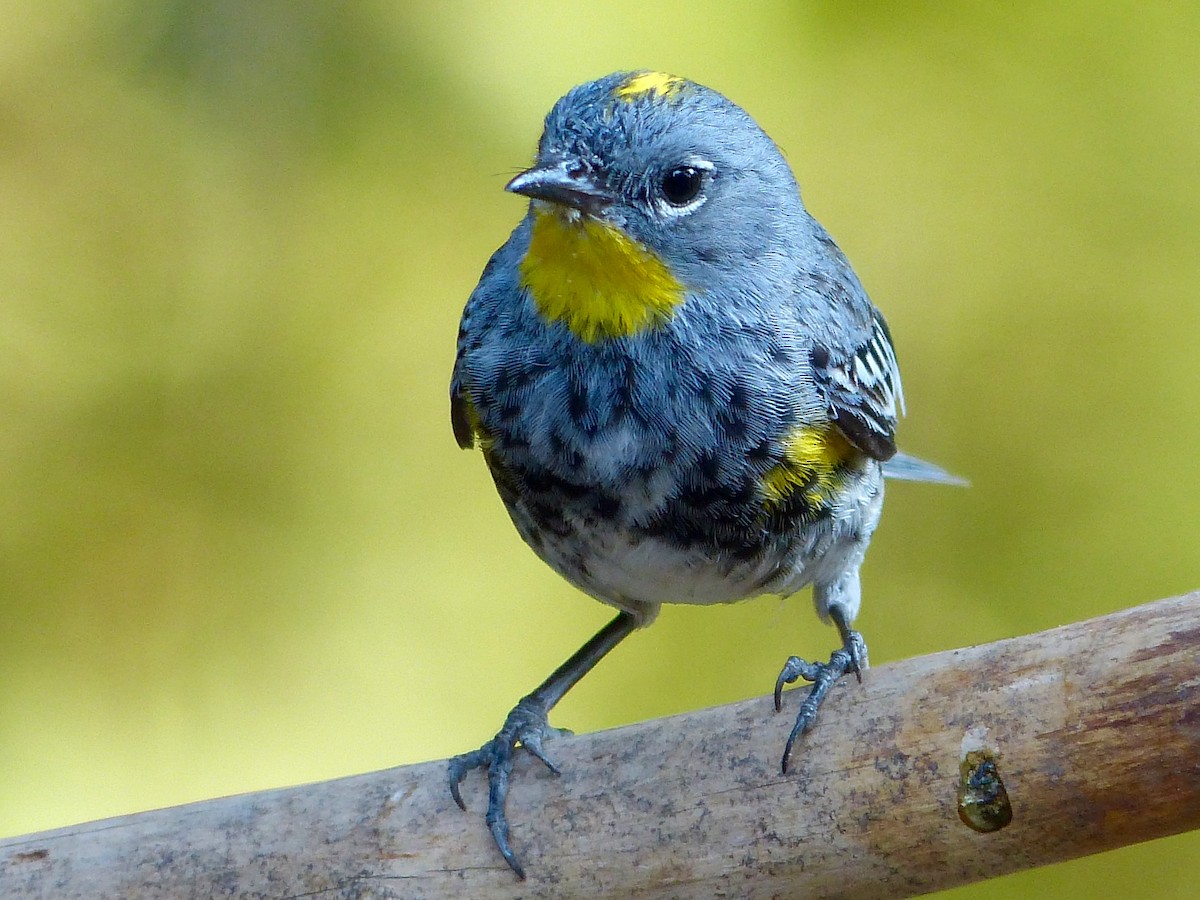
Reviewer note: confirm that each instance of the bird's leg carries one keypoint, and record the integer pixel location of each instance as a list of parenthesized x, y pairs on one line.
[(851, 657), (526, 726)]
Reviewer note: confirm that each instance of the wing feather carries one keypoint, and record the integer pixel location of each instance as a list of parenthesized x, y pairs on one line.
[(863, 391)]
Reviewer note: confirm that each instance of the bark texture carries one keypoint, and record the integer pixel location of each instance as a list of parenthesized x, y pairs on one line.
[(1092, 730)]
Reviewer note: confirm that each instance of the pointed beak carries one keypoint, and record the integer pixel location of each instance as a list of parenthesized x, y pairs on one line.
[(564, 183)]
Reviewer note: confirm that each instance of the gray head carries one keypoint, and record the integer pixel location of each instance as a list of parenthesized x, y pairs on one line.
[(673, 164)]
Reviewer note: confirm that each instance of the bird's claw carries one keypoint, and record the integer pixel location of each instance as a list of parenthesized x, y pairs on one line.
[(856, 647), (850, 658), (525, 727)]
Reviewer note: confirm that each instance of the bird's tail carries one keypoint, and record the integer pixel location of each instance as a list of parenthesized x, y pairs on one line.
[(903, 467)]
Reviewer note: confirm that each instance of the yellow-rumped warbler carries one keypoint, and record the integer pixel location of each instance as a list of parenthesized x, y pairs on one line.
[(680, 387)]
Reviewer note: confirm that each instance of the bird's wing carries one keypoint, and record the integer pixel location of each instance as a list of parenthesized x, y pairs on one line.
[(861, 386), (463, 418), (460, 419)]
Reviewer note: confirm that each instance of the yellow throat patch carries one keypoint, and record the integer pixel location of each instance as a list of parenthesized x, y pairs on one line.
[(811, 462), (594, 278)]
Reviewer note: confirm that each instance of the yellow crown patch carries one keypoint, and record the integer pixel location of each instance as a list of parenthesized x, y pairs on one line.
[(642, 84)]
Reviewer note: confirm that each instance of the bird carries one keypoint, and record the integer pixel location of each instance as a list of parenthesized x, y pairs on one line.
[(679, 386)]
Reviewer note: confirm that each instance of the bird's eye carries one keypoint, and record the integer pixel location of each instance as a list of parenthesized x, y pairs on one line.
[(682, 184)]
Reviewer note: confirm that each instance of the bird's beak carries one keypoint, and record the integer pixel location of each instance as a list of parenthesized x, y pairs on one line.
[(564, 183)]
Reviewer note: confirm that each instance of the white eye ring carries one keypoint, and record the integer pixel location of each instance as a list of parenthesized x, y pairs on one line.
[(668, 209)]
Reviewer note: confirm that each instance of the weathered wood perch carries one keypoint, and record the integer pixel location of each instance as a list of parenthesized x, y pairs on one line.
[(1094, 729)]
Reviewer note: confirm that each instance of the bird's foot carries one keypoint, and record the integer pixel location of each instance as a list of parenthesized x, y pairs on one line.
[(852, 657), (525, 727)]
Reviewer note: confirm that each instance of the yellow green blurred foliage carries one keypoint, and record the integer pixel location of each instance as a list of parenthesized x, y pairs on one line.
[(238, 546)]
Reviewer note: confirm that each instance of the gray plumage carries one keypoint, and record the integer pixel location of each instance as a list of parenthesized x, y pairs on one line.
[(633, 466), (636, 465)]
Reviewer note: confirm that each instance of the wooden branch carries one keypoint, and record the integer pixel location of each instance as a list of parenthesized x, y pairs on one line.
[(1093, 729)]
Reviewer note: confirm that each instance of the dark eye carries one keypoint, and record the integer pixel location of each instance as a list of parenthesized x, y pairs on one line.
[(681, 185)]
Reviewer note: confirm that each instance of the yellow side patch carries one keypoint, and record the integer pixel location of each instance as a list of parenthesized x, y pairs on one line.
[(811, 461), (642, 83), (594, 278)]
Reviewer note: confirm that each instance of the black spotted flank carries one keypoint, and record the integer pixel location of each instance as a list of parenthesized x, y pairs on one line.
[(607, 506), (578, 407), (734, 416)]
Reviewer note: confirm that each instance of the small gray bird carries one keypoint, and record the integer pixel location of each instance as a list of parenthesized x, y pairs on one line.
[(678, 384)]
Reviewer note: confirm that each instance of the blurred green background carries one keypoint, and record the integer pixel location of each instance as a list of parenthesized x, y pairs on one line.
[(238, 546)]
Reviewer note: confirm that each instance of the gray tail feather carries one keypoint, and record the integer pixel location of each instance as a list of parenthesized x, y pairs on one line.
[(908, 468)]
